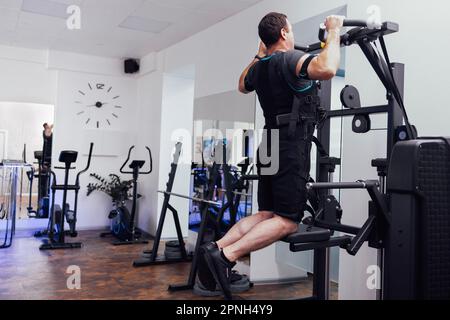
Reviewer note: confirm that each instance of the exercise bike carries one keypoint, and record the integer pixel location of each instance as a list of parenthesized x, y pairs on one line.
[(122, 221), (60, 214)]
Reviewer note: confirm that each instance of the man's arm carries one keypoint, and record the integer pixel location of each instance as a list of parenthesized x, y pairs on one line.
[(261, 53), (242, 87), (326, 64)]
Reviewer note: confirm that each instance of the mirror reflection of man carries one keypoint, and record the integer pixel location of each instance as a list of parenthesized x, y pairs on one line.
[(48, 144), (45, 163)]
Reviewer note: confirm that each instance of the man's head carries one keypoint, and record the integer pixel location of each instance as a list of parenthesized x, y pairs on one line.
[(275, 29), (48, 127)]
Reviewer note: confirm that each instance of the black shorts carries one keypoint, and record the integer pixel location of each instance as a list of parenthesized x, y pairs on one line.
[(284, 193)]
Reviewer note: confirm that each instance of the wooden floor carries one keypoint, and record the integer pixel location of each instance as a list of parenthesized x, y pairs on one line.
[(107, 274)]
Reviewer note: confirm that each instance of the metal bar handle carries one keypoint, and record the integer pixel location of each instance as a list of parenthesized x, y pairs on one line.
[(125, 163), (91, 149), (190, 198), (343, 185), (151, 162)]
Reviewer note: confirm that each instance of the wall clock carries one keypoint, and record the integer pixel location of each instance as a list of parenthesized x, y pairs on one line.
[(98, 105)]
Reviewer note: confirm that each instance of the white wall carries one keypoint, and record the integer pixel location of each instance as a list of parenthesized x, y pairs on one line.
[(24, 76), (177, 123), (111, 141), (150, 93), (42, 77)]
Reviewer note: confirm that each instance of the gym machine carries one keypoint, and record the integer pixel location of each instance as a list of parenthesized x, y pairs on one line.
[(10, 176), (43, 175), (409, 213), (236, 186), (43, 179), (176, 250), (56, 232), (150, 257), (209, 220), (123, 225)]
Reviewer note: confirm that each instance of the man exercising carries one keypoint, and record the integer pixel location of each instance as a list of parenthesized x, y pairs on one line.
[(48, 143), (285, 82)]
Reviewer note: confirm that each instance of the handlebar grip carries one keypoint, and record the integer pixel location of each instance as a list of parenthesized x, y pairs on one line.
[(355, 23), (91, 150), (323, 33), (347, 23), (88, 165), (151, 159), (151, 162), (126, 161)]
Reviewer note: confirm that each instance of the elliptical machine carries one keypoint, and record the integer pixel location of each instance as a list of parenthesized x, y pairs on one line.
[(56, 233), (43, 177), (123, 225)]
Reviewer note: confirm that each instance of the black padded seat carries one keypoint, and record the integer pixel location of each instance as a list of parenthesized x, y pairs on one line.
[(68, 157), (137, 164), (307, 234), (38, 155)]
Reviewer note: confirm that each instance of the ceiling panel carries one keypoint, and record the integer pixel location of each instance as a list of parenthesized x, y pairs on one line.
[(52, 8), (161, 12), (102, 15), (226, 7), (13, 4), (186, 4), (29, 24)]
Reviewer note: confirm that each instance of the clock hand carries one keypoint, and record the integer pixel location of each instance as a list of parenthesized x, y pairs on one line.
[(98, 105)]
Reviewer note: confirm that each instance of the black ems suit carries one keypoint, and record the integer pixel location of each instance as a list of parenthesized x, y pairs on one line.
[(291, 104)]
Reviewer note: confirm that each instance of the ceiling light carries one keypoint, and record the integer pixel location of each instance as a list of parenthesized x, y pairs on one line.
[(144, 25), (45, 8)]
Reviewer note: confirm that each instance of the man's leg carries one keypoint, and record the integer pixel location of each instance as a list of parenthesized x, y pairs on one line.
[(235, 234), (261, 236), (243, 227)]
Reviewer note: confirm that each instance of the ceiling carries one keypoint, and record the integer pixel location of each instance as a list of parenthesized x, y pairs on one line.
[(111, 28)]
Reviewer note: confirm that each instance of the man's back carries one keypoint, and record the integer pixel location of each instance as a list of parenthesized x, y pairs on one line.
[(275, 81)]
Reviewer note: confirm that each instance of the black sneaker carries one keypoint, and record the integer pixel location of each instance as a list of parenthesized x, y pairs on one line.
[(205, 277), (220, 269), (239, 284)]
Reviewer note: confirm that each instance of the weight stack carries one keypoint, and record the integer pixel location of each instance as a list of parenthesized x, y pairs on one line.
[(417, 247), (173, 250)]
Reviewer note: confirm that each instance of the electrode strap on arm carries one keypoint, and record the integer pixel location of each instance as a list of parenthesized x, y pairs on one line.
[(304, 70)]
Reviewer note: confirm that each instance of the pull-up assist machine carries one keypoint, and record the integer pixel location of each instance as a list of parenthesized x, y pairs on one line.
[(377, 231)]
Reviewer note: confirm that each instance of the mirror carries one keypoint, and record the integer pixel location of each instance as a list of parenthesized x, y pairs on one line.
[(22, 138), (224, 120)]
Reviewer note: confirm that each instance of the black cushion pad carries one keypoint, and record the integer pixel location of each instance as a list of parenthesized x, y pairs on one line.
[(307, 234)]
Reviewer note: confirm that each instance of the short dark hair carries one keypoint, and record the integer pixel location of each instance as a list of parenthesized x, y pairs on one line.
[(270, 28), (45, 125)]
